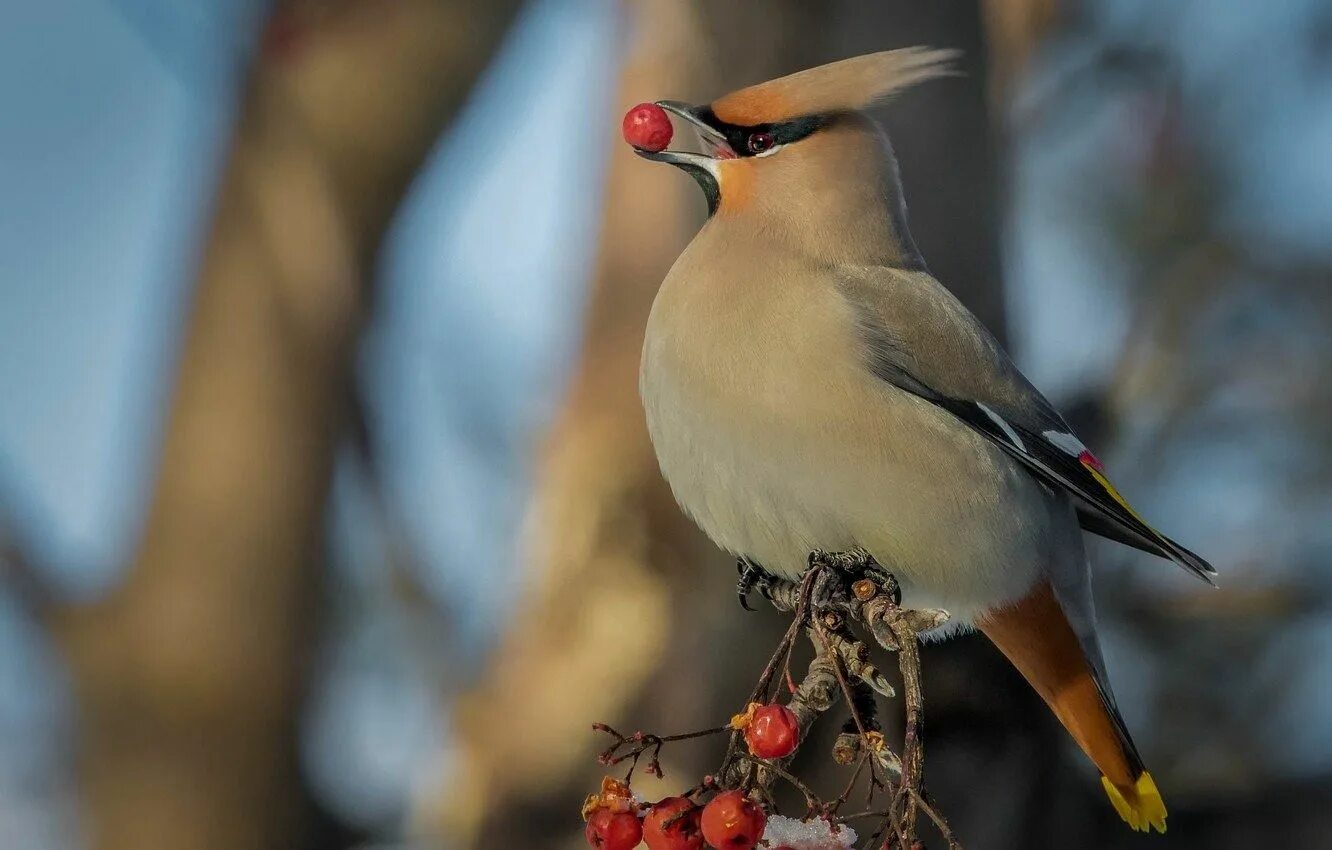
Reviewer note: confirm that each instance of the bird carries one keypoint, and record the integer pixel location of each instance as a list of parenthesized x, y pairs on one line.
[(809, 385)]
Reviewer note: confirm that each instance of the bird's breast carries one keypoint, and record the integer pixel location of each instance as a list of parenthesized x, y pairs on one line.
[(776, 440)]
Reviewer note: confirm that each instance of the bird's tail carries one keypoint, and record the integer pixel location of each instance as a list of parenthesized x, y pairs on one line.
[(1036, 637), (1140, 805)]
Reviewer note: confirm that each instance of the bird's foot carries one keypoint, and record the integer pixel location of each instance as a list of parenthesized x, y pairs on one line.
[(854, 585), (853, 561), (840, 588), (845, 602), (863, 575), (833, 581), (752, 577)]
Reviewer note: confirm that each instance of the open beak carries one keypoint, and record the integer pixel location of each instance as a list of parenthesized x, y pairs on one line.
[(713, 141)]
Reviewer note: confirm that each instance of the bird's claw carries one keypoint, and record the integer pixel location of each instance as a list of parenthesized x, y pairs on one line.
[(858, 564), (853, 561), (752, 577)]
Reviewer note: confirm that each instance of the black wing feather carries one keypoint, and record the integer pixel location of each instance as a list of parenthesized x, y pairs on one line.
[(1102, 526), (1095, 498), (898, 313)]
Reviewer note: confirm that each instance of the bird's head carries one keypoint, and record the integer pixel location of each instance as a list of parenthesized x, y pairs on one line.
[(801, 145)]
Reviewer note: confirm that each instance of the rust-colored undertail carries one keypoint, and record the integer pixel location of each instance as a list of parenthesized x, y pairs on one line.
[(1036, 637)]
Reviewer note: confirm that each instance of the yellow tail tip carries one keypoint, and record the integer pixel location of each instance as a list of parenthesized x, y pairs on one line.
[(1139, 804)]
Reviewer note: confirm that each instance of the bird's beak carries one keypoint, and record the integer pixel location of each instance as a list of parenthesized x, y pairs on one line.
[(713, 141)]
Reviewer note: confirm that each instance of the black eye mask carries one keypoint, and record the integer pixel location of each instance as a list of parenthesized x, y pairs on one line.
[(758, 138)]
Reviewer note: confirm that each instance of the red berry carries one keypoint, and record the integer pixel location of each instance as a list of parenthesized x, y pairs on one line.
[(773, 732), (731, 821), (647, 127), (673, 824), (609, 830)]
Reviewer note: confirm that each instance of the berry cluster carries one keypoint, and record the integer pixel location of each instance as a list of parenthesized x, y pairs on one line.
[(728, 821), (735, 808)]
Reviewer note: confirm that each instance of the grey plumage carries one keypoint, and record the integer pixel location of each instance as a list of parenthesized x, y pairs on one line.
[(901, 312)]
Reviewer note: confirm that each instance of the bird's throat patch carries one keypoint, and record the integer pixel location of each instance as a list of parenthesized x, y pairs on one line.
[(737, 184)]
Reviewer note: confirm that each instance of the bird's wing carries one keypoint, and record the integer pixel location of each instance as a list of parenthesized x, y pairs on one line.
[(919, 338)]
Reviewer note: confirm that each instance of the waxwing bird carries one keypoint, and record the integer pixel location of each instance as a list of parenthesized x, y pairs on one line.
[(808, 384)]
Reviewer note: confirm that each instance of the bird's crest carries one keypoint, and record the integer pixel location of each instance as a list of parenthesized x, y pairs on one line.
[(854, 83)]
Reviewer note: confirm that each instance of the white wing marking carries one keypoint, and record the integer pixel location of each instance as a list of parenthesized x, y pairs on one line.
[(1004, 426), (1065, 442)]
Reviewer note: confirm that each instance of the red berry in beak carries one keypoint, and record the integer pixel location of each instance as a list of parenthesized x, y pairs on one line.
[(647, 127)]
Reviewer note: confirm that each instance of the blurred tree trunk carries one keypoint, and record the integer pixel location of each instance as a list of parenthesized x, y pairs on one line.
[(1014, 32), (606, 546), (190, 675), (629, 617)]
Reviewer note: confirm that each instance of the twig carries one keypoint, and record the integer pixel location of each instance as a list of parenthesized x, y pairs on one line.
[(833, 807), (640, 743), (868, 813), (938, 820), (800, 603), (839, 591), (811, 799)]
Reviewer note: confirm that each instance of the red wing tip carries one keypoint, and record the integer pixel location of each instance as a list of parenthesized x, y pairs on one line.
[(1086, 458)]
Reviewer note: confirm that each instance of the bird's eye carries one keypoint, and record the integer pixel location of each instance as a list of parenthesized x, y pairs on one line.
[(759, 142)]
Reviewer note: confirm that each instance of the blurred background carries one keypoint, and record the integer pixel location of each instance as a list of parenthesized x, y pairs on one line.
[(327, 515)]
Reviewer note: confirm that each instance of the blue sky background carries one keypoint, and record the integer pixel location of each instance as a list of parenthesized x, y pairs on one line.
[(117, 116)]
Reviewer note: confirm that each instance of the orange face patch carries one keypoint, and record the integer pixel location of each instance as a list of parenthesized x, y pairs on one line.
[(736, 178)]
